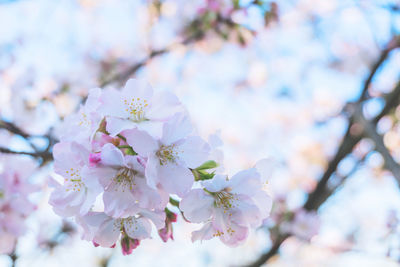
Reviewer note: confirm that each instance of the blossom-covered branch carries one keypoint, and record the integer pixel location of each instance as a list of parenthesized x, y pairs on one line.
[(214, 17)]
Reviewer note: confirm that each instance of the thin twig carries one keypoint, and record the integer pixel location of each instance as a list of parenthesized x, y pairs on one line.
[(122, 77)]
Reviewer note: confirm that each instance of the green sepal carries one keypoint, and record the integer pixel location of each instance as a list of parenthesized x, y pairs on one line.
[(130, 151), (174, 202), (201, 175), (207, 165)]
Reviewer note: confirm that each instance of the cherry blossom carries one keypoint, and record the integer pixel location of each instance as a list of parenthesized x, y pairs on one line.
[(78, 193), (126, 151), (136, 106), (104, 230), (15, 205), (81, 126), (125, 187), (228, 206), (172, 155)]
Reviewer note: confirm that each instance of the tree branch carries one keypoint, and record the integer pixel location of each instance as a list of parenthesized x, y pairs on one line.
[(123, 76), (45, 156), (392, 45), (13, 129), (370, 131), (321, 192), (271, 252)]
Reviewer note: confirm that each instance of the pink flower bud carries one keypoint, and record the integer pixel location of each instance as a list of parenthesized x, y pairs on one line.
[(167, 232), (94, 158), (172, 217), (128, 245)]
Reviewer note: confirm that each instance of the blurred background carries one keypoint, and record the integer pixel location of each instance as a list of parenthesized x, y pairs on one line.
[(312, 84)]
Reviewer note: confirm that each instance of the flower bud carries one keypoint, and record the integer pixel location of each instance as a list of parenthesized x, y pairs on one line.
[(167, 232), (128, 245)]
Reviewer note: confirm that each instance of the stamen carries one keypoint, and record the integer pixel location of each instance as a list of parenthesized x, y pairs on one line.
[(118, 225), (225, 200), (229, 231), (136, 108), (74, 181), (84, 120), (125, 224), (167, 154), (130, 224), (125, 178)]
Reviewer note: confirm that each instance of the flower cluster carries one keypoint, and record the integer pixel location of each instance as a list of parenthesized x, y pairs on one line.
[(15, 203), (129, 155)]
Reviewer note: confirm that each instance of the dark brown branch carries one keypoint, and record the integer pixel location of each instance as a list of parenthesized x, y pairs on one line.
[(392, 45), (271, 252), (321, 192), (43, 155), (391, 101), (370, 131), (60, 237), (13, 129), (318, 196), (14, 259)]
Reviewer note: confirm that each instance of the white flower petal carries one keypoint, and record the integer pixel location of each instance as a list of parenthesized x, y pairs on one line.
[(175, 179), (157, 217), (177, 128), (216, 184), (164, 105), (246, 182), (139, 228), (112, 156), (112, 104), (197, 206), (141, 142), (205, 233), (135, 88), (108, 233), (98, 174), (119, 201), (151, 171), (194, 151), (116, 125)]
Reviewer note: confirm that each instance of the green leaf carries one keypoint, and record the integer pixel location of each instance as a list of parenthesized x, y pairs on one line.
[(207, 165)]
